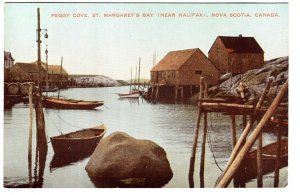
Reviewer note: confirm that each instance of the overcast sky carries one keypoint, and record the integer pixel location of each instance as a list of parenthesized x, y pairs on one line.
[(112, 45)]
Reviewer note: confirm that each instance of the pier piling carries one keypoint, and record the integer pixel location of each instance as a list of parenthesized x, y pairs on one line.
[(196, 133)]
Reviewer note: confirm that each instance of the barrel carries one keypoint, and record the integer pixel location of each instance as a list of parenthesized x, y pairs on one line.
[(13, 88), (24, 88)]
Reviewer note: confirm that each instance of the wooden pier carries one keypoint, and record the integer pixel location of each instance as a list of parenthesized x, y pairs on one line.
[(239, 169)]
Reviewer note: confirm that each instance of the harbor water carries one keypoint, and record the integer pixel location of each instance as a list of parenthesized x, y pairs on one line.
[(171, 126)]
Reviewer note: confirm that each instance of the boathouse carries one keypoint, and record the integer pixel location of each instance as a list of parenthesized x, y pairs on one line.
[(182, 69), (22, 72), (56, 74), (236, 54)]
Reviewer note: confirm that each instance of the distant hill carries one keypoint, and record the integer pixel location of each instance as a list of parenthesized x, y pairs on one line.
[(94, 81)]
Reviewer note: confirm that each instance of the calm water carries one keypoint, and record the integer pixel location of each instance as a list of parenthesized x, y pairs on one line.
[(171, 126)]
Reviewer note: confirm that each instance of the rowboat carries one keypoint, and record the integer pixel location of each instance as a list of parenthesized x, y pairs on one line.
[(129, 95), (70, 103), (80, 142), (268, 159), (50, 89)]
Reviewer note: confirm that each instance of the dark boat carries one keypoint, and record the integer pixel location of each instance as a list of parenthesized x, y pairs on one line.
[(83, 141), (70, 103), (268, 159), (50, 89)]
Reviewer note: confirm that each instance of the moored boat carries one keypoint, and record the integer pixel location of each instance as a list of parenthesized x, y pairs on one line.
[(129, 95), (70, 103), (80, 142), (268, 159)]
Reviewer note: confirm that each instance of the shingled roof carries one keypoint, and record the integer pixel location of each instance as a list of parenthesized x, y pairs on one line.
[(55, 69), (174, 60), (29, 67), (241, 44), (8, 56)]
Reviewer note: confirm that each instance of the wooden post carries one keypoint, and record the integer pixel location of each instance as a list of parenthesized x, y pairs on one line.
[(242, 153), (233, 142), (152, 92), (182, 93), (176, 92), (278, 154), (259, 162), (196, 133), (30, 134), (40, 121), (191, 90), (205, 90), (203, 151), (157, 92), (247, 129)]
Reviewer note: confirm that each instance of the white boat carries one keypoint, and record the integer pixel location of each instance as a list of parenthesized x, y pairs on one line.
[(129, 95)]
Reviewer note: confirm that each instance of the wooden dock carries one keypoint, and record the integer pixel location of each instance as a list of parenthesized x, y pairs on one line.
[(239, 163)]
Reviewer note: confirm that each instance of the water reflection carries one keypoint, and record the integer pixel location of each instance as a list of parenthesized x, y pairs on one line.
[(129, 183), (65, 159)]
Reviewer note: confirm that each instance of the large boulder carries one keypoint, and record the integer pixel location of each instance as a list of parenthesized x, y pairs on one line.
[(122, 159)]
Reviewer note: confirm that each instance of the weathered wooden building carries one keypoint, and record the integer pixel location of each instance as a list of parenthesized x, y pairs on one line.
[(182, 70), (56, 74), (236, 54), (8, 63), (22, 72)]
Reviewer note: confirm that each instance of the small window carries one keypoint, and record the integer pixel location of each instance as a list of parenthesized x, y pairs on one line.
[(198, 72)]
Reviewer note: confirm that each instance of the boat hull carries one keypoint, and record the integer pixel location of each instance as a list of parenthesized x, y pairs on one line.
[(129, 95), (70, 104), (268, 160), (79, 142)]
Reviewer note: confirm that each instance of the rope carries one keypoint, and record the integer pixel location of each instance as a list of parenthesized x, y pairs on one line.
[(67, 122), (210, 145), (53, 123)]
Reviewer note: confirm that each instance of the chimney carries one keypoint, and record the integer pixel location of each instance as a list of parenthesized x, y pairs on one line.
[(240, 35)]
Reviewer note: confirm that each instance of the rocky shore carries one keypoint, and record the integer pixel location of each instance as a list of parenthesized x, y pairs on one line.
[(253, 80)]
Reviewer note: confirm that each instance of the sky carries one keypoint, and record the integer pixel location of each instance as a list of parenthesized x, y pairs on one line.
[(111, 46)]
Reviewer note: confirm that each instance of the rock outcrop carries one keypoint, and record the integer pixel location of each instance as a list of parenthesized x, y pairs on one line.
[(122, 159), (254, 80)]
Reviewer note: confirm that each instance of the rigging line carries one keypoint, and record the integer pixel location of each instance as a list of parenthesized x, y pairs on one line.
[(54, 122), (67, 122), (210, 145)]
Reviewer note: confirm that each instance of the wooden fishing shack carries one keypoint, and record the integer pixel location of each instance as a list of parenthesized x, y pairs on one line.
[(236, 54), (178, 73)]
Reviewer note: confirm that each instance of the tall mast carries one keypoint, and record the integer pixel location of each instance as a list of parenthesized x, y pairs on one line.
[(139, 74), (47, 84), (60, 84), (130, 79), (39, 48)]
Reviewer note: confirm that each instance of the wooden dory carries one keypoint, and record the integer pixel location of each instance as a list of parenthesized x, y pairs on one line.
[(70, 103), (268, 159), (129, 95), (82, 141)]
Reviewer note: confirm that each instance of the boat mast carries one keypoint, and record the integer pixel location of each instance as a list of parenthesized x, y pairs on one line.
[(139, 74), (61, 61), (130, 79), (47, 84)]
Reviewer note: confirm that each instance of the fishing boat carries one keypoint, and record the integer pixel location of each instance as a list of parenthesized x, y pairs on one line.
[(268, 159), (50, 89), (129, 95), (80, 142), (70, 103)]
